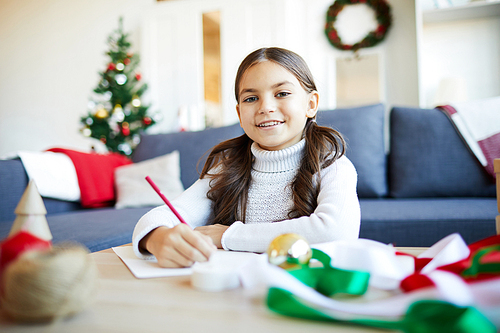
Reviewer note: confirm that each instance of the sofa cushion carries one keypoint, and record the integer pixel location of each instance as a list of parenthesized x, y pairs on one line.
[(429, 159), (363, 130), (132, 189), (423, 222), (53, 173), (191, 146)]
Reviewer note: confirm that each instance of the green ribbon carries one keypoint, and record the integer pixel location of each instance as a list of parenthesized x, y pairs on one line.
[(479, 267), (426, 316), (329, 280)]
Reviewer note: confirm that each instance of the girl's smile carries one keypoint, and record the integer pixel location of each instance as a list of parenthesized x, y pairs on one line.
[(270, 123), (273, 106)]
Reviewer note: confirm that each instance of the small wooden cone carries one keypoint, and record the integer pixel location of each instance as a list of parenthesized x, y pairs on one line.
[(30, 213), (31, 202), (34, 224)]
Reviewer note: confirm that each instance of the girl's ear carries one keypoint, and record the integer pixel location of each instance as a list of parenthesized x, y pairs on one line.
[(238, 111), (313, 104)]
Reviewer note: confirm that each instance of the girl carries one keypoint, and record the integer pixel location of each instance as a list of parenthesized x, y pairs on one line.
[(286, 174)]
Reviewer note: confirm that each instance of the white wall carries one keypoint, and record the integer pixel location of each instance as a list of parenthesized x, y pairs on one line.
[(50, 54), (465, 51)]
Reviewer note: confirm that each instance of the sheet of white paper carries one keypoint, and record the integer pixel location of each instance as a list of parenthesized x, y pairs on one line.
[(143, 269)]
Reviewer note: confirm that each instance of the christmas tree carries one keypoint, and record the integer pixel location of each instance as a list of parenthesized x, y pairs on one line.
[(117, 114)]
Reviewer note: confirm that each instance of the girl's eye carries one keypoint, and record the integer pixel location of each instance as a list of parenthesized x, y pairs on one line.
[(282, 94), (250, 99)]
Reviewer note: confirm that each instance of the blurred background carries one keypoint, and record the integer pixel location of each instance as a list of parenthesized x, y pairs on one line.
[(51, 53)]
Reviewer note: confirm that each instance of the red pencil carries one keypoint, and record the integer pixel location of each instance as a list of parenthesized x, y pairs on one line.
[(164, 198)]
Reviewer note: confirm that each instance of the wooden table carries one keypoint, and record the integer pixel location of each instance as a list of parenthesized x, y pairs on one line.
[(168, 305)]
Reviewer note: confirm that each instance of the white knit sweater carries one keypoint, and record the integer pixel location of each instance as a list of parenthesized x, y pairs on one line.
[(269, 201)]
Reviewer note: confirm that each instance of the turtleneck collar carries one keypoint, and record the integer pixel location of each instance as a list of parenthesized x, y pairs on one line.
[(278, 160)]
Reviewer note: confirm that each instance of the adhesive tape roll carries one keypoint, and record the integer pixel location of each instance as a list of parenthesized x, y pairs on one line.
[(209, 277)]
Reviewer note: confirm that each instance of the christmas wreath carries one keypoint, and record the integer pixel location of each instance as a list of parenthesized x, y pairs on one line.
[(383, 16)]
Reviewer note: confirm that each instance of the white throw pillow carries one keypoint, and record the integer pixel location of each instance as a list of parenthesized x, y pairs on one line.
[(54, 174), (133, 190)]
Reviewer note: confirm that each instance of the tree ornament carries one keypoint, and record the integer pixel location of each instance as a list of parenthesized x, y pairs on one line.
[(117, 108), (136, 139), (120, 66), (102, 113), (30, 230), (30, 213), (383, 16), (125, 129), (86, 131), (136, 101), (118, 115), (121, 79), (125, 147), (289, 251), (111, 66)]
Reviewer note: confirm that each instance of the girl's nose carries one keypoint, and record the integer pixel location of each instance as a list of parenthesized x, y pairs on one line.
[(267, 105)]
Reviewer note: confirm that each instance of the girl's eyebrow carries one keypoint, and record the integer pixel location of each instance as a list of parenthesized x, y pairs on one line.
[(279, 84), (274, 86), (248, 90)]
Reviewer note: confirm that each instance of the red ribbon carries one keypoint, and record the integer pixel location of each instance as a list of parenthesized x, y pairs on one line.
[(490, 246)]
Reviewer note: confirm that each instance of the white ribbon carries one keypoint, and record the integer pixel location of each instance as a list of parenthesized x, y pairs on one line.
[(387, 269)]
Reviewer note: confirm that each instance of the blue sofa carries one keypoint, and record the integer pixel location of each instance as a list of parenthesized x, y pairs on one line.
[(423, 187)]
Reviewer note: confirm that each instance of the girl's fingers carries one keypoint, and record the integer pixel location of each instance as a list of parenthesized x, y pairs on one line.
[(182, 246), (171, 253), (196, 247), (215, 233)]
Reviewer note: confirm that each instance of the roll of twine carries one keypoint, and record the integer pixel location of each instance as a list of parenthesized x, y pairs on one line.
[(49, 285)]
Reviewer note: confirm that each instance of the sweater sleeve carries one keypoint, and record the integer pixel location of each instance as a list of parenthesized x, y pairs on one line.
[(337, 216), (193, 205)]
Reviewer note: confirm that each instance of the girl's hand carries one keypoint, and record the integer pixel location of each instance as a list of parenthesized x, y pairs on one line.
[(179, 246), (214, 232)]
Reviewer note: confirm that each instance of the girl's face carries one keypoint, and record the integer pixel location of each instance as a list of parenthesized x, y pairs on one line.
[(273, 107)]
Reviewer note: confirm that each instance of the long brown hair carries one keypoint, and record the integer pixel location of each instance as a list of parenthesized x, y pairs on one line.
[(229, 164)]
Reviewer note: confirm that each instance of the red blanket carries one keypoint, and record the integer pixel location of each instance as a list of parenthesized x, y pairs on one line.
[(95, 174)]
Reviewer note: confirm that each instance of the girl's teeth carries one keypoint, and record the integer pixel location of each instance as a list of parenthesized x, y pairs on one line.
[(269, 124)]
